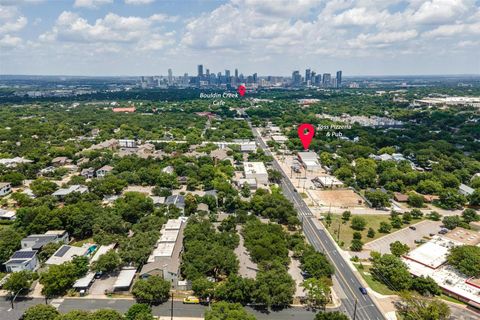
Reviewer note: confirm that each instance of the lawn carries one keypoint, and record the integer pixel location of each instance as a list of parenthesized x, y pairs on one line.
[(346, 232), (372, 283)]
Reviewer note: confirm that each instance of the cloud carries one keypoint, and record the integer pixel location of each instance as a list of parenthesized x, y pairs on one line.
[(91, 4), (451, 30), (10, 41), (359, 17), (138, 2), (442, 11)]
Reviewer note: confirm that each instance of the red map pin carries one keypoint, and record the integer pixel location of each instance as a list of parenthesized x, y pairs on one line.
[(241, 90), (305, 133)]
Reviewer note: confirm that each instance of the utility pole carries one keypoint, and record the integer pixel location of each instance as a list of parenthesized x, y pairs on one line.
[(338, 233), (171, 309), (355, 310)]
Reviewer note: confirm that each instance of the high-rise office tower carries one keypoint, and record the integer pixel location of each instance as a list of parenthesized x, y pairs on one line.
[(227, 74), (236, 74), (255, 77), (207, 72), (200, 70), (327, 78), (339, 78), (307, 75), (296, 78), (170, 76), (318, 79)]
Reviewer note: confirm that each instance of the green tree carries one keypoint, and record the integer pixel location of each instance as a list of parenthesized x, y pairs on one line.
[(346, 216), (356, 245), (227, 311), (378, 199), (434, 215), (40, 312), (391, 271), (451, 222), (414, 307), (106, 314), (235, 289), (139, 311), (274, 175), (245, 190), (274, 286), (470, 215), (19, 281), (371, 233), (358, 223), (74, 315), (398, 249), (385, 227), (466, 259), (9, 242), (426, 286), (107, 262), (153, 290), (202, 287), (48, 250), (317, 291), (42, 187), (415, 200), (334, 315)]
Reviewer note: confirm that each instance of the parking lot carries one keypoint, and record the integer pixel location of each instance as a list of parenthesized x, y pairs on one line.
[(406, 235)]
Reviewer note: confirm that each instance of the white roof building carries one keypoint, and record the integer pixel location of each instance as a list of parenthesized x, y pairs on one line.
[(465, 190), (309, 160), (257, 171), (7, 214), (280, 138), (124, 279), (67, 253), (173, 224), (60, 193)]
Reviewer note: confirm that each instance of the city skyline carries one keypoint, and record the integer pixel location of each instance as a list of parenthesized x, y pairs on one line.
[(135, 37)]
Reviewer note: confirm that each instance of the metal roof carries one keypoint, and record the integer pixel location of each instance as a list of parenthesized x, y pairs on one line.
[(125, 278)]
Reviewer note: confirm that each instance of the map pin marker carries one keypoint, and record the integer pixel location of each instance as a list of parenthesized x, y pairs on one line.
[(305, 133), (241, 90)]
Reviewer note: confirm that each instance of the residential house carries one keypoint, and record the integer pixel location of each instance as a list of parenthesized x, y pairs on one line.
[(38, 241), (5, 188), (88, 173), (176, 200), (76, 188), (465, 190), (103, 171), (7, 214), (60, 161), (24, 259), (66, 253)]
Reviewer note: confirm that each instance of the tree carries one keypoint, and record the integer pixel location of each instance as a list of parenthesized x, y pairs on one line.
[(451, 222), (415, 200), (48, 250), (227, 311), (274, 175), (470, 215), (378, 199), (19, 281), (153, 290), (474, 198), (398, 249), (74, 315), (106, 314), (356, 245), (357, 235), (426, 286), (396, 222), (318, 291), (385, 227), (391, 271), (416, 213), (315, 263), (139, 311), (346, 216), (59, 278), (371, 233), (40, 312), (414, 307), (451, 199), (235, 289), (334, 315), (42, 187), (107, 262), (202, 287), (9, 242), (245, 190), (434, 216), (358, 223), (273, 285), (466, 259)]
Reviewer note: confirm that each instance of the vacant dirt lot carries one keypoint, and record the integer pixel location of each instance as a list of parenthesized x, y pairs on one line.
[(337, 198)]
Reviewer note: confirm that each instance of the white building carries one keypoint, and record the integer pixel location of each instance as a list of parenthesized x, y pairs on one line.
[(103, 171), (21, 260), (124, 279), (61, 193), (127, 143), (257, 171), (67, 253), (5, 188), (7, 214), (309, 159), (465, 190)]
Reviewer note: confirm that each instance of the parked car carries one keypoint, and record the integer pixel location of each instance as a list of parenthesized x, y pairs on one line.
[(413, 228), (191, 300), (363, 290)]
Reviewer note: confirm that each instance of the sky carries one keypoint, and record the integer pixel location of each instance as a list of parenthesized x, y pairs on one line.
[(270, 37)]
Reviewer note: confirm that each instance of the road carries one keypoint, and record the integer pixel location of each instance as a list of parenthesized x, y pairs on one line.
[(122, 305), (318, 237)]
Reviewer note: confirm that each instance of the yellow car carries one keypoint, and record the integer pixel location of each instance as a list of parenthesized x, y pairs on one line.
[(191, 300)]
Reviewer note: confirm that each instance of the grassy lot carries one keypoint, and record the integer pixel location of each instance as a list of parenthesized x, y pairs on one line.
[(346, 232), (450, 299), (372, 283)]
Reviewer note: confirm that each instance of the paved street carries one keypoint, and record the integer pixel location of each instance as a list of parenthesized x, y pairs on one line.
[(354, 301)]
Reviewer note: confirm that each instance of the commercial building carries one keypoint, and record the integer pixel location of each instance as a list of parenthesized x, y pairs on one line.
[(309, 160), (257, 171), (327, 182), (430, 260)]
